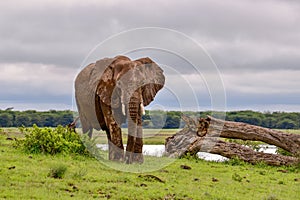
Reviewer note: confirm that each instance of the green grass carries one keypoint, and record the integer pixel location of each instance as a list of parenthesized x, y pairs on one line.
[(295, 131), (150, 136), (153, 136), (24, 176)]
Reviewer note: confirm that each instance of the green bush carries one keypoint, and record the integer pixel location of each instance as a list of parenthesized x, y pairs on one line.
[(51, 141), (237, 177), (57, 171), (283, 152), (80, 173), (235, 161)]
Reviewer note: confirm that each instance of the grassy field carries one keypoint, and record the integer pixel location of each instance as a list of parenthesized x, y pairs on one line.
[(24, 176), (292, 131), (157, 136), (150, 136)]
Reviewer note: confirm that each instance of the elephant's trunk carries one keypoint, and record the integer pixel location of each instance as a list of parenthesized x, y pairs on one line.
[(135, 140)]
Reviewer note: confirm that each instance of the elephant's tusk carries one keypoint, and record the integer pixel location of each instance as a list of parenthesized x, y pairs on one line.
[(142, 109), (123, 109)]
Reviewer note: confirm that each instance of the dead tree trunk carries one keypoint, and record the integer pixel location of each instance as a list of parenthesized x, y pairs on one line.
[(237, 130), (203, 135)]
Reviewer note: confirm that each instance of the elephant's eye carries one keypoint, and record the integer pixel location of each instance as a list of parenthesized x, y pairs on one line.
[(118, 84)]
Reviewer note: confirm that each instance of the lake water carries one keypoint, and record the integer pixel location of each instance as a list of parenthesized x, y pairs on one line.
[(158, 151)]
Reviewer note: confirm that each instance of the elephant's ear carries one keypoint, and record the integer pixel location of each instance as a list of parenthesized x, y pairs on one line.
[(154, 80), (106, 86), (108, 81)]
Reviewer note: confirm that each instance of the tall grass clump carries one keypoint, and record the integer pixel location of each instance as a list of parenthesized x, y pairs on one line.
[(57, 171), (51, 141)]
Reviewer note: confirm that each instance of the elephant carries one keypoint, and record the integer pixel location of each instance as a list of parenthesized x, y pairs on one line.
[(113, 90)]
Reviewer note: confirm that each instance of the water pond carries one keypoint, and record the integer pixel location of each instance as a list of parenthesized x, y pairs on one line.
[(158, 151)]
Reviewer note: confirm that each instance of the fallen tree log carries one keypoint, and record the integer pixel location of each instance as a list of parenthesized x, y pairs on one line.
[(238, 130), (203, 135)]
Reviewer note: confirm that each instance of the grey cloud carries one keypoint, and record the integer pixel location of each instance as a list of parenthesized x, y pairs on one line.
[(241, 36), (64, 33), (35, 82), (51, 33)]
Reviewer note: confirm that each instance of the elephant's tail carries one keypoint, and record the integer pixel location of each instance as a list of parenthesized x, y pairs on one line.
[(72, 125)]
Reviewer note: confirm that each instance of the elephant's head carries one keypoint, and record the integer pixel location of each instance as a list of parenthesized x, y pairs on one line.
[(126, 81)]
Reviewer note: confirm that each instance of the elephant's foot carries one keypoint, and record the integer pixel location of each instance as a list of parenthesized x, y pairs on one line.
[(116, 154), (128, 157), (134, 158), (138, 158)]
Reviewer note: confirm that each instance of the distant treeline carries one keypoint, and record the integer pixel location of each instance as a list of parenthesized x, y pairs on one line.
[(152, 119), (52, 118), (275, 120)]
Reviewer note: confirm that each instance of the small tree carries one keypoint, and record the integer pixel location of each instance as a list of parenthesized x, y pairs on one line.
[(286, 124), (6, 120), (22, 120)]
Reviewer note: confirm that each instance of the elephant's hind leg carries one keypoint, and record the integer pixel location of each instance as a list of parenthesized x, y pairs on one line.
[(86, 126)]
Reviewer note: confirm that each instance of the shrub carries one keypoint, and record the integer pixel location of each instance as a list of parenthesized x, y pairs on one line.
[(190, 156), (235, 161), (80, 173), (51, 141), (237, 177), (57, 171), (283, 152), (272, 197)]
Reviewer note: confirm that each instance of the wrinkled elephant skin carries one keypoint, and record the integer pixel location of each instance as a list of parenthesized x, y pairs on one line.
[(115, 89)]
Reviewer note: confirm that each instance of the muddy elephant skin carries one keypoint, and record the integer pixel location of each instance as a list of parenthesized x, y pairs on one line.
[(115, 89)]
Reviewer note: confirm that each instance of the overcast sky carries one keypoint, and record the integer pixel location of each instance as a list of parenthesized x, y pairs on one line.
[(254, 44)]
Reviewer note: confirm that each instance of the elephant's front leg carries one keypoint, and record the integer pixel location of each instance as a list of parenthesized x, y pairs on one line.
[(135, 138), (138, 145), (132, 128), (115, 145), (114, 135)]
